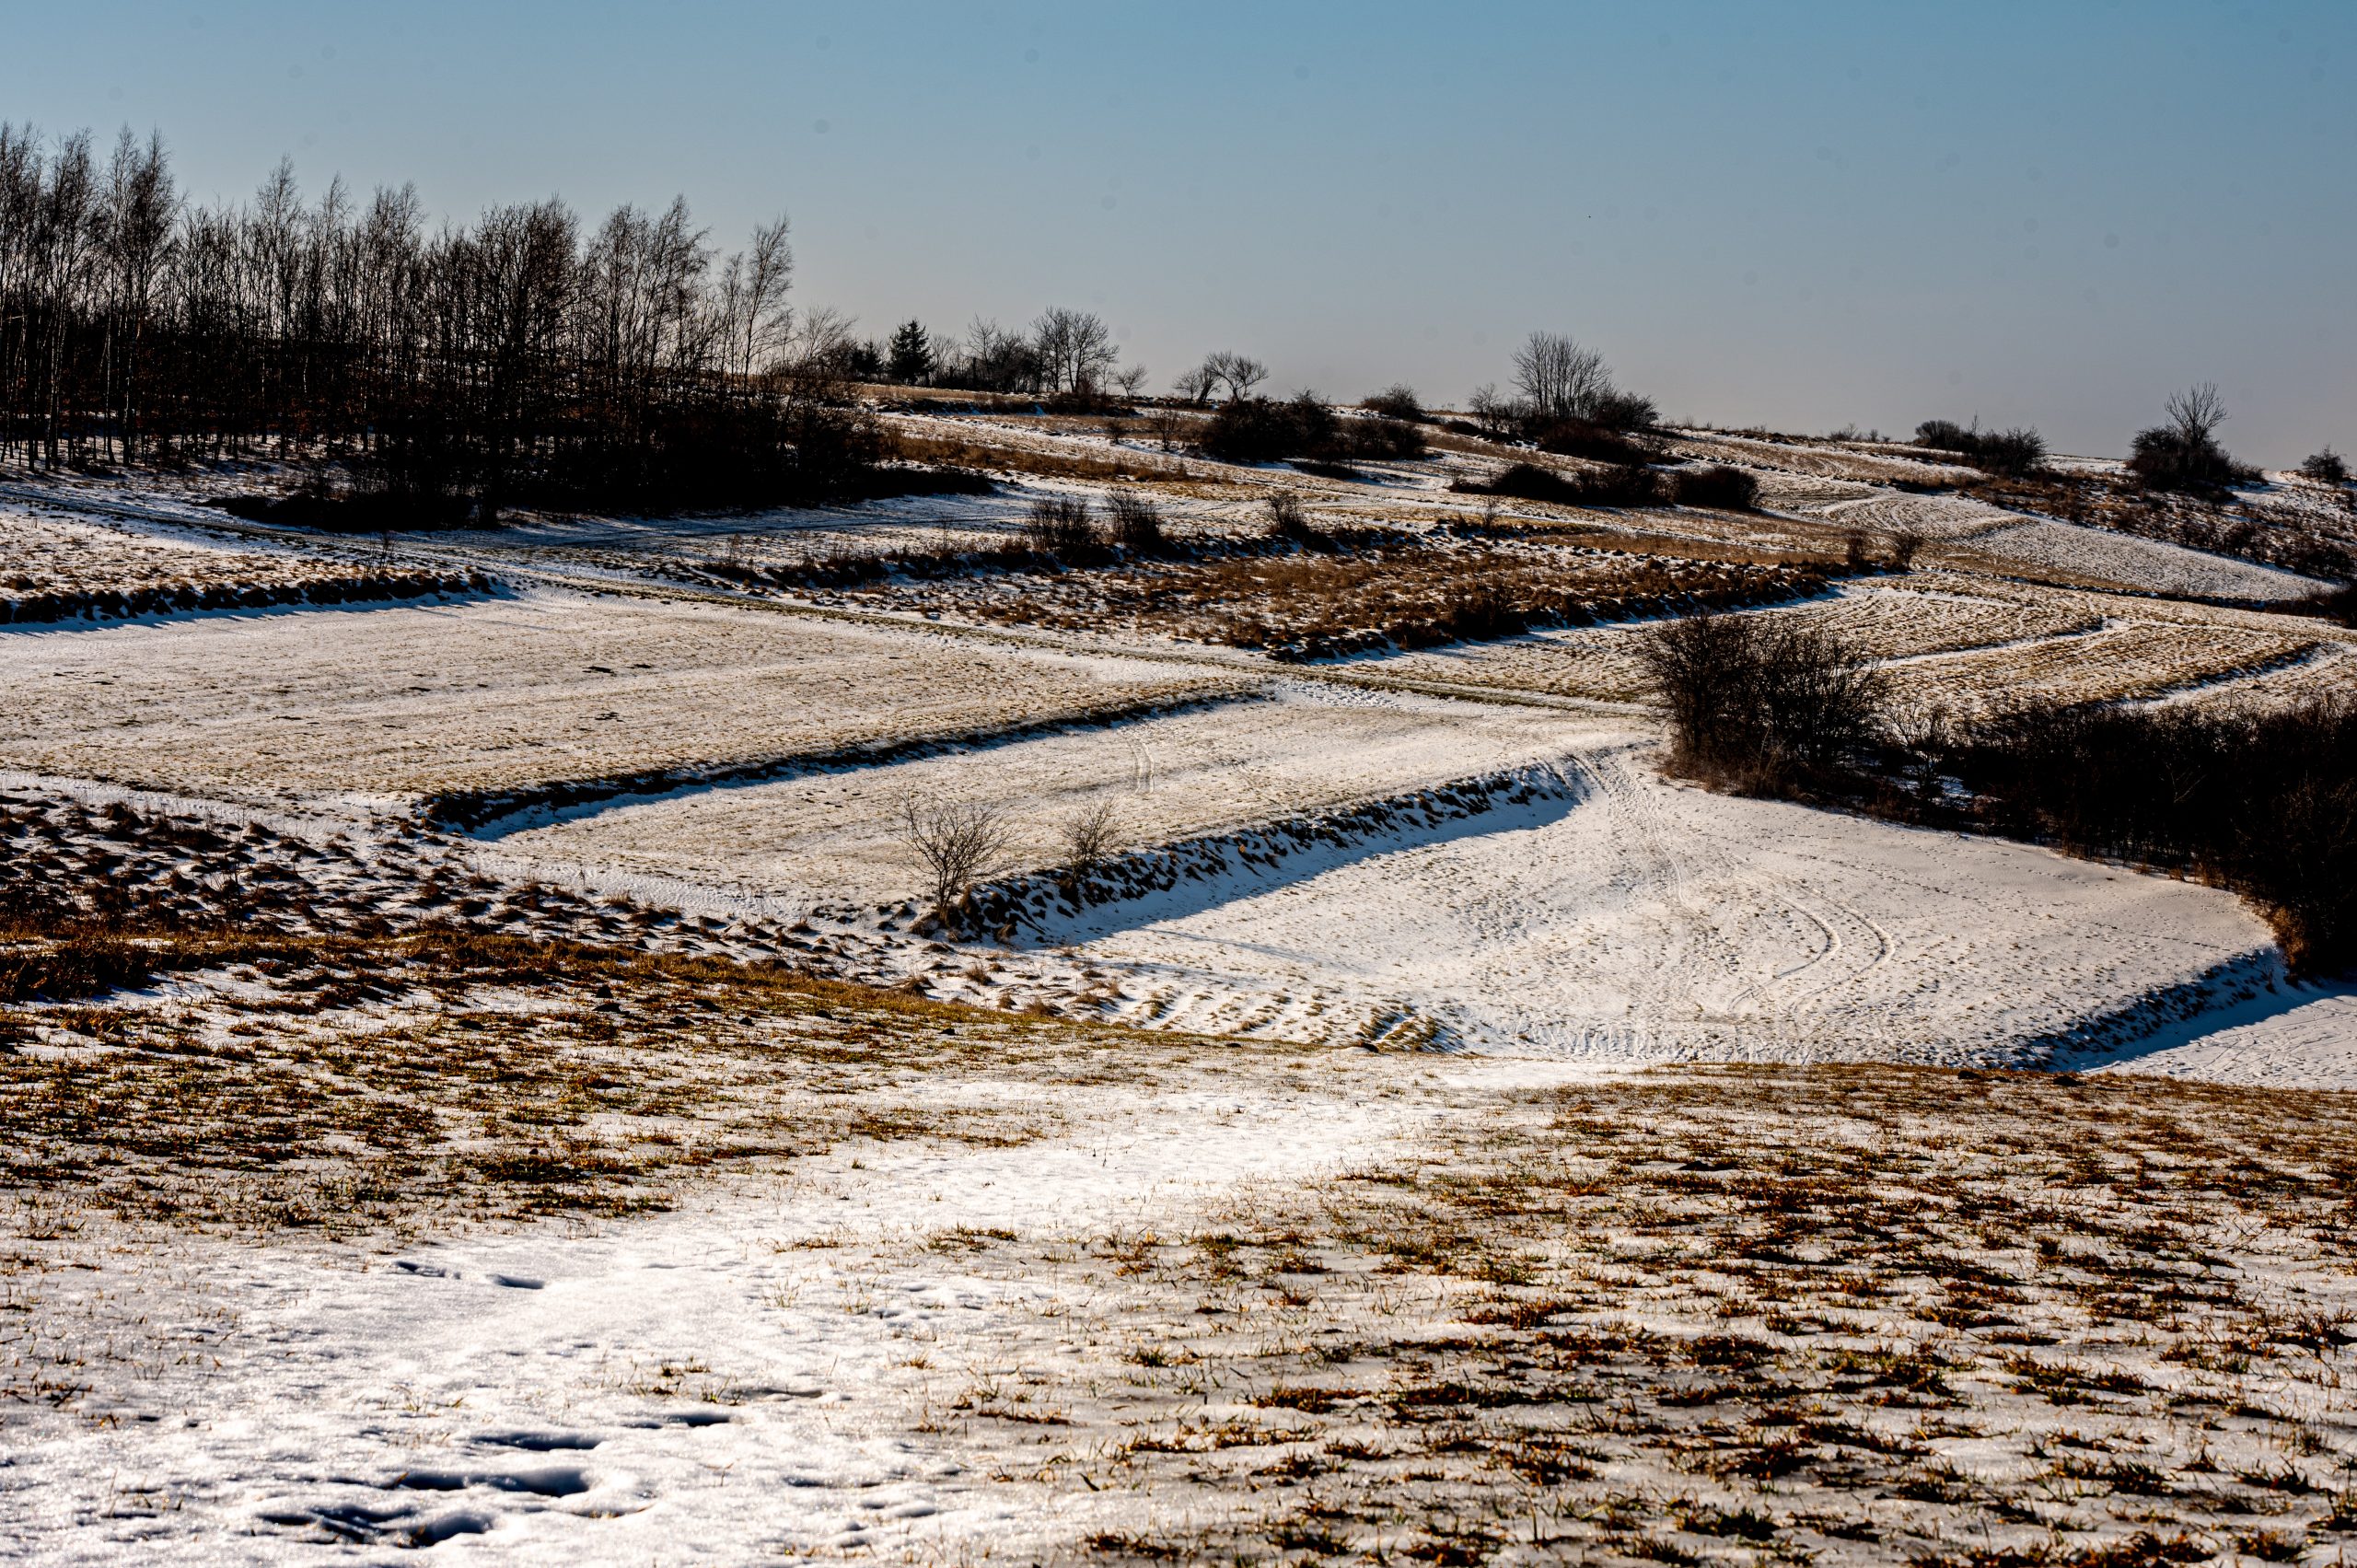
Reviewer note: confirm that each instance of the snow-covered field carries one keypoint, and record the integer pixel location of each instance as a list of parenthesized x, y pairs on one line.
[(831, 834), (544, 686), (1320, 1201), (1633, 920), (59, 566)]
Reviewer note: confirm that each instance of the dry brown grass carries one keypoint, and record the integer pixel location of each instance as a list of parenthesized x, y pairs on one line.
[(360, 1085), (977, 451), (1794, 1314), (1377, 590)]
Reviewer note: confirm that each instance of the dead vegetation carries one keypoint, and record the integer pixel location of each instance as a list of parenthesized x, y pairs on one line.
[(349, 1084), (53, 570), (1331, 592), (1834, 1314)]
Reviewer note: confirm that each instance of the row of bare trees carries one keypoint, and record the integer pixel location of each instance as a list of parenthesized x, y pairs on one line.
[(523, 351)]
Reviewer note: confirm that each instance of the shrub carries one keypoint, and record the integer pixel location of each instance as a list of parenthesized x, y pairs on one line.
[(1585, 439), (1725, 489), (1397, 400), (953, 844), (1062, 527), (1626, 484), (1260, 430), (1289, 523), (1137, 524), (1623, 485), (2265, 803), (2014, 453), (1383, 438), (2327, 467), (2164, 458), (2184, 454), (1759, 704)]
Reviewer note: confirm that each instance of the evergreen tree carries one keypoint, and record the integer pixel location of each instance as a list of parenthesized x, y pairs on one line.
[(910, 360)]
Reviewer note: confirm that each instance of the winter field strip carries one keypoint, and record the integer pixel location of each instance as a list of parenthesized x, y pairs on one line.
[(1633, 920), (60, 569), (401, 702), (1227, 766)]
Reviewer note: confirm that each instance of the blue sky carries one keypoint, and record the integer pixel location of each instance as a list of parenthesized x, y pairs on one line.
[(1795, 216)]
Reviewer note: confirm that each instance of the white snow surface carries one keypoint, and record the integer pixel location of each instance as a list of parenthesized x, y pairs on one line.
[(703, 1387)]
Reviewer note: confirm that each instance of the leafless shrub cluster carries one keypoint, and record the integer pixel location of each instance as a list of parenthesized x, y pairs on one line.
[(2183, 453), (2014, 453), (1760, 704), (955, 843), (1137, 523), (1089, 836), (1065, 528)]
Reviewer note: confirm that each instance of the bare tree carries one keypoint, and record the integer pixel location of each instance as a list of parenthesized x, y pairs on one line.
[(1089, 836), (821, 339), (1132, 381), (1239, 373), (1196, 385), (756, 324), (2196, 413), (1076, 348), (1558, 378), (954, 844)]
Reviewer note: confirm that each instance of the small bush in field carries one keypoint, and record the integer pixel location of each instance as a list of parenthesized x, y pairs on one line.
[(1136, 523), (1622, 485), (1586, 438), (1397, 400), (1725, 489), (2327, 467), (1063, 527), (1760, 704), (1289, 522), (2014, 453)]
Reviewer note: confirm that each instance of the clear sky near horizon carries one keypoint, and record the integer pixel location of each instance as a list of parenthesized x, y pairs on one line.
[(1797, 216)]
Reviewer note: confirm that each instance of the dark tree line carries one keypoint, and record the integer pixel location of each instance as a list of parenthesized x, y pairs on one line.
[(523, 357)]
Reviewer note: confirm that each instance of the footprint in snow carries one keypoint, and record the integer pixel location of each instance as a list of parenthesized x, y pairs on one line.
[(437, 1272)]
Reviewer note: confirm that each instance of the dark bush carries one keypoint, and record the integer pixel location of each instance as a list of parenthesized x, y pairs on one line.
[(1260, 430), (1064, 527), (1137, 524), (1725, 489), (1382, 437), (2184, 454), (1397, 400), (2014, 453), (2327, 467), (1289, 523), (2263, 803), (1527, 482), (1617, 410), (1622, 485), (1758, 704), (2164, 458), (1586, 438)]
